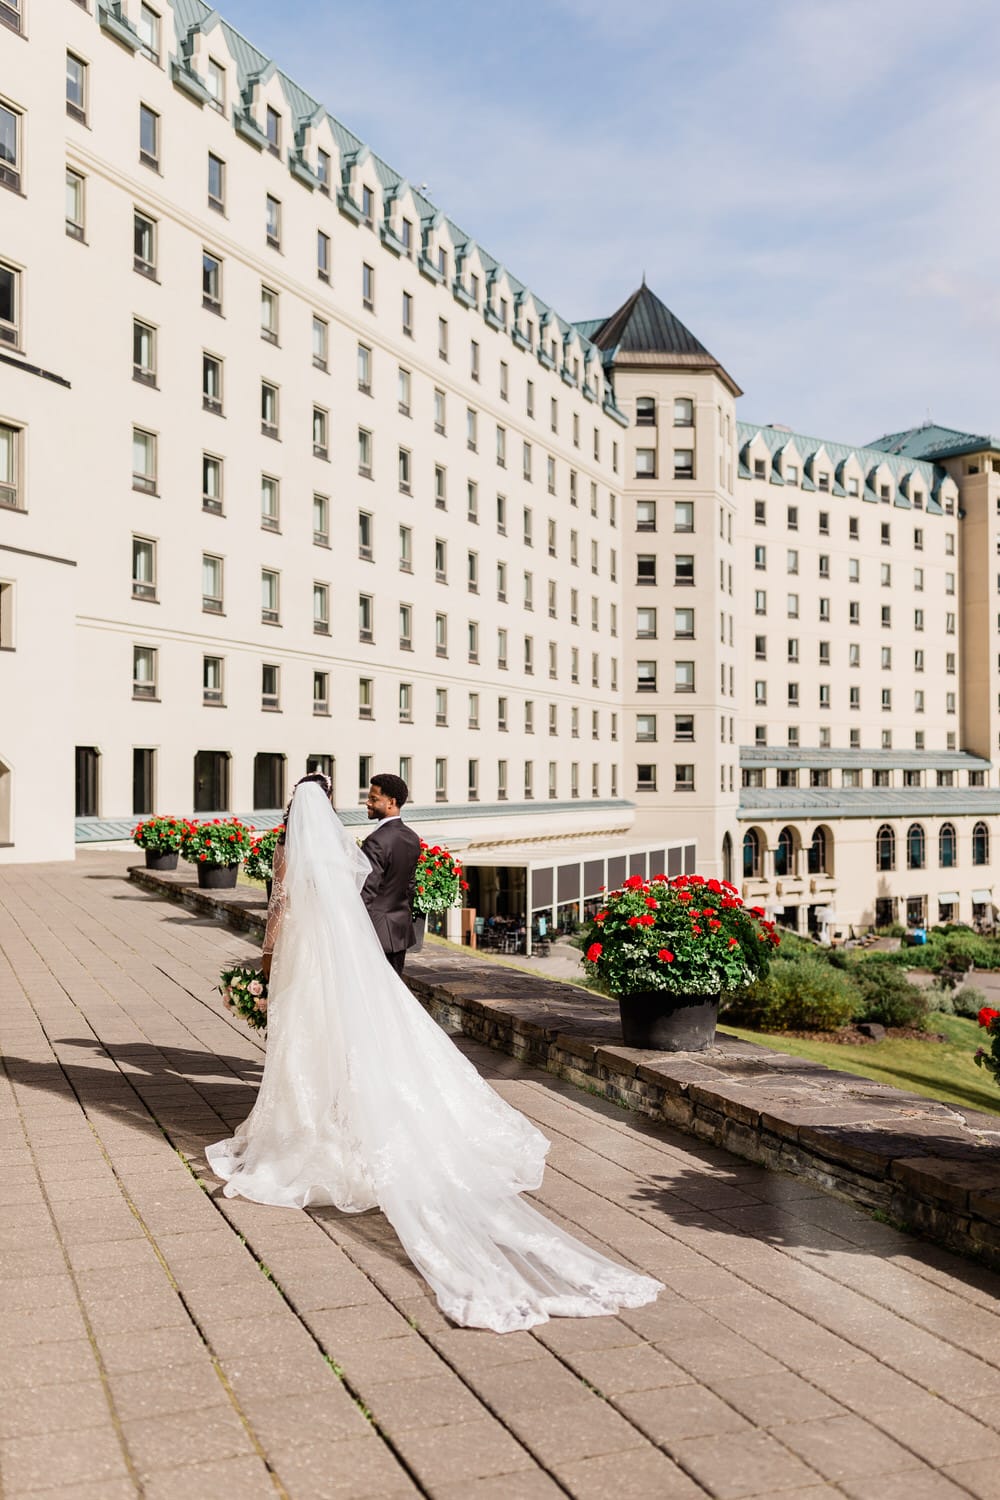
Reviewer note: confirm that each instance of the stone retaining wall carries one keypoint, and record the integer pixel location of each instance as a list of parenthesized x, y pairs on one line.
[(929, 1166)]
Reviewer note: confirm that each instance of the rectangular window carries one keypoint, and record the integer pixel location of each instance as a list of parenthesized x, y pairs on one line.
[(368, 287), (684, 778), (321, 521), (364, 453), (270, 503), (322, 255), (211, 584), (211, 483), (144, 672), (683, 571), (403, 386), (270, 688), (269, 313), (321, 608), (320, 342), (320, 432), (442, 338), (269, 597), (77, 81), (143, 568), (684, 681), (321, 693), (645, 463), (216, 183), (149, 137), (143, 240), (405, 702), (440, 487), (405, 627), (211, 383), (272, 222), (143, 352), (215, 84), (268, 409), (404, 462), (75, 199), (366, 618), (441, 707), (408, 314), (683, 463), (144, 459), (212, 695), (366, 698), (441, 635), (272, 129)]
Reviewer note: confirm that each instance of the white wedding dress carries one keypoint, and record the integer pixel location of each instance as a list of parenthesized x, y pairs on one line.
[(365, 1102)]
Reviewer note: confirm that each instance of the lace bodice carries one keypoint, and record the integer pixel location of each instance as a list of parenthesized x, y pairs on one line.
[(279, 900)]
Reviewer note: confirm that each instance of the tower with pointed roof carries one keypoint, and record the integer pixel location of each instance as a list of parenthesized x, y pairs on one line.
[(680, 576)]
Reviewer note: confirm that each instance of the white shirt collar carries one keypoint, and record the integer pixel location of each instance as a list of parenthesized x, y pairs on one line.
[(389, 817)]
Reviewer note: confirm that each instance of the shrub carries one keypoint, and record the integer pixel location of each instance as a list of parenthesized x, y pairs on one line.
[(887, 996), (940, 998), (801, 993), (259, 863), (224, 841), (968, 1001)]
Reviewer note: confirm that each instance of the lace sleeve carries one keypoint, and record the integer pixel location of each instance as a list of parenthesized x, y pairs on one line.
[(276, 905)]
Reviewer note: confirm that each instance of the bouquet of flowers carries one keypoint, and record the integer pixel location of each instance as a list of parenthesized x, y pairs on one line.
[(160, 835), (224, 841), (687, 935), (259, 862), (244, 993), (438, 878), (989, 1020)]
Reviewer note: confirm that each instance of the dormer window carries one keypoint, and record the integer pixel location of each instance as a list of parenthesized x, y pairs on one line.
[(824, 481), (406, 236), (529, 332), (215, 83), (474, 289), (443, 263), (918, 499), (791, 474), (272, 129), (368, 206), (760, 468), (503, 311), (853, 488), (323, 170), (883, 493)]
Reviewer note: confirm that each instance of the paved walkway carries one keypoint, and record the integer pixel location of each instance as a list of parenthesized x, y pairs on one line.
[(158, 1340)]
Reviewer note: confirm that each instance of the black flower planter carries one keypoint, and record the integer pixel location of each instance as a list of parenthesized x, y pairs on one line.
[(419, 927), (217, 877), (657, 1020), (156, 860)]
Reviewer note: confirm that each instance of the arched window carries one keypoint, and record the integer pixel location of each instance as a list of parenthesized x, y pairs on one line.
[(817, 852), (645, 411), (784, 854), (916, 847), (885, 848), (947, 846), (751, 854), (727, 858), (980, 844)]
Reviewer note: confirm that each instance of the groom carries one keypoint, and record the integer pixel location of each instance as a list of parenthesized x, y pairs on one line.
[(393, 849)]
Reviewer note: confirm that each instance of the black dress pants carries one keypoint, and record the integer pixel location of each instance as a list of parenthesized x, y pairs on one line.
[(397, 960)]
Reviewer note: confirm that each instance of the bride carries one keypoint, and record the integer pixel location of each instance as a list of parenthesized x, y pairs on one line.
[(365, 1102)]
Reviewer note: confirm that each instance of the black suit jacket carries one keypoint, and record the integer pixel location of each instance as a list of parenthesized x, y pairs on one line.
[(393, 850)]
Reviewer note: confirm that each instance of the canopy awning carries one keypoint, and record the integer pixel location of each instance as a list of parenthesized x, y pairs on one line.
[(950, 898), (982, 898)]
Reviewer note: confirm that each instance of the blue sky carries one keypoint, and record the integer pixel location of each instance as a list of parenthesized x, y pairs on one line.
[(810, 185)]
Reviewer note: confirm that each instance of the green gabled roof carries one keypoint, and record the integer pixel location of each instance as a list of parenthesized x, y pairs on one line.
[(934, 442), (252, 63), (902, 468)]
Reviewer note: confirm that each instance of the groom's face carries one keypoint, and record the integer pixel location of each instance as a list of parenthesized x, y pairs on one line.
[(378, 804)]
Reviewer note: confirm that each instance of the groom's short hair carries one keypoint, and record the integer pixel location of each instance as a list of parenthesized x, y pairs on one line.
[(392, 786)]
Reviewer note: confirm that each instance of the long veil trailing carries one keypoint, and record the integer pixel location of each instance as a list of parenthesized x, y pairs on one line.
[(366, 1102)]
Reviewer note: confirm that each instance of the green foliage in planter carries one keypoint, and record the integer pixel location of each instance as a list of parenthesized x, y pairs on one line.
[(223, 841), (438, 880), (259, 862), (683, 936), (160, 835), (801, 993)]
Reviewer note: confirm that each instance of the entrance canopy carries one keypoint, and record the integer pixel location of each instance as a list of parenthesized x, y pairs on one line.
[(570, 872)]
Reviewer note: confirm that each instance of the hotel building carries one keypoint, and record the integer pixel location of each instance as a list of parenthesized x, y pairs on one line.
[(294, 473)]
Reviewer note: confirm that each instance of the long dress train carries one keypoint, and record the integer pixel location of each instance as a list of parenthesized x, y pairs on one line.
[(365, 1102)]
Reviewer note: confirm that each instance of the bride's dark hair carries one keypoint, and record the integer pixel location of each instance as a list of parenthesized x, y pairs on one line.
[(320, 779)]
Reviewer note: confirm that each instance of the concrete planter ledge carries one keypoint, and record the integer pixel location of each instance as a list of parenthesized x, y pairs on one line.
[(931, 1167)]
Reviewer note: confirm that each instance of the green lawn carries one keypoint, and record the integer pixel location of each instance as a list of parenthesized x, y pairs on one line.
[(940, 1070)]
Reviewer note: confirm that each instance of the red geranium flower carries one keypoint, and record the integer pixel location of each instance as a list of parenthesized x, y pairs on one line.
[(987, 1014), (594, 952), (634, 921), (695, 927), (633, 882), (647, 921), (652, 903), (665, 956)]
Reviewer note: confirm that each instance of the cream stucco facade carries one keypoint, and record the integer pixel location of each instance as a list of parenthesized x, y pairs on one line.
[(293, 472)]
